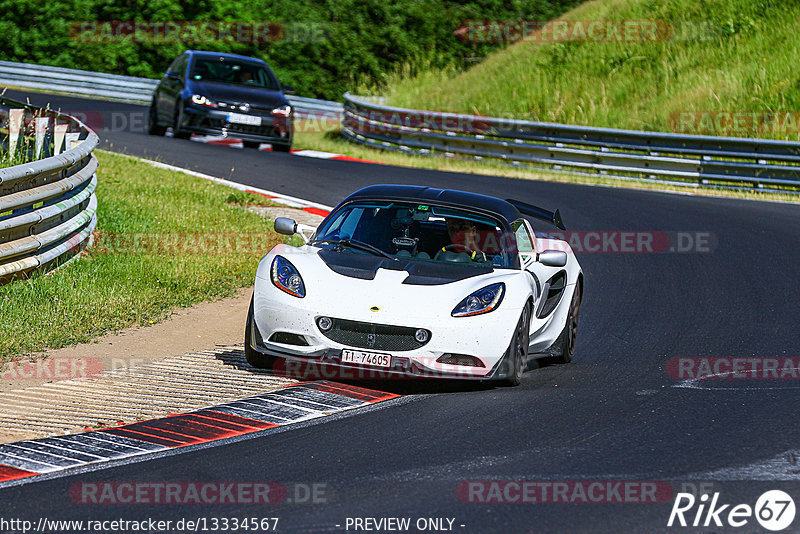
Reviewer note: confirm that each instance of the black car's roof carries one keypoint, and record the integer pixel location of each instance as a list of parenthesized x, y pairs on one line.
[(207, 54), (462, 199)]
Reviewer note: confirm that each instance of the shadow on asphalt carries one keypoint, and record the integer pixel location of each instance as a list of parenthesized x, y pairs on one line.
[(374, 379)]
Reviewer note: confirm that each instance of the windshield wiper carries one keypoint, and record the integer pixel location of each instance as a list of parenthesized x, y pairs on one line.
[(352, 243)]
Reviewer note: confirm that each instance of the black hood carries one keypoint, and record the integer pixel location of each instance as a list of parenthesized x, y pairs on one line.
[(420, 273), (226, 92)]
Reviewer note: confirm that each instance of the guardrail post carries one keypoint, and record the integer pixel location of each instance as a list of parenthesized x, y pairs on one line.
[(42, 124), (14, 128), (58, 138)]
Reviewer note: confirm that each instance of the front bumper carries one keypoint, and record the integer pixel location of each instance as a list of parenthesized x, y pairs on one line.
[(207, 121), (485, 337), (327, 364)]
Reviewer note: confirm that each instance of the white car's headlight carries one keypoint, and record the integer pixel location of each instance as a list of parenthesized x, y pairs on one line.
[(286, 278), (481, 301)]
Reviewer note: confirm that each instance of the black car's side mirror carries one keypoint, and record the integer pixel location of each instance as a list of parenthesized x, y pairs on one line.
[(288, 89), (173, 75)]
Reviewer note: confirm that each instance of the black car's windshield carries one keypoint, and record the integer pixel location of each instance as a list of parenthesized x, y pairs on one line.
[(222, 70), (422, 232)]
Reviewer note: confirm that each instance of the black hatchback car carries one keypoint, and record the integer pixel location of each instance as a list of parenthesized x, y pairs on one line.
[(222, 94)]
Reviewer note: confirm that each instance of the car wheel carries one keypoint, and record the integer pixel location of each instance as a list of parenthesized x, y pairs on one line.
[(176, 124), (517, 355), (281, 147), (152, 122), (566, 341), (253, 357), (252, 144)]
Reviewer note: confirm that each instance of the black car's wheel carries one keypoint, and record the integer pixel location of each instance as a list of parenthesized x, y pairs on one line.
[(153, 127), (281, 147), (516, 357), (253, 357), (566, 341), (177, 132), (252, 144)]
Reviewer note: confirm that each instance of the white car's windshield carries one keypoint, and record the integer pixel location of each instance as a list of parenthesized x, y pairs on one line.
[(418, 231)]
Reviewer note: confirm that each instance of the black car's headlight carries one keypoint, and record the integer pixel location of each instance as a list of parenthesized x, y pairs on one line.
[(201, 100), (481, 301), (286, 278), (283, 111)]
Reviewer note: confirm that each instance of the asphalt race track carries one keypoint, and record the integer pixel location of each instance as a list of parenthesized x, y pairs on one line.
[(613, 414)]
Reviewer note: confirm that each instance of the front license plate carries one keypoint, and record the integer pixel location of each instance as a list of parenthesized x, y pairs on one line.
[(366, 358), (238, 118)]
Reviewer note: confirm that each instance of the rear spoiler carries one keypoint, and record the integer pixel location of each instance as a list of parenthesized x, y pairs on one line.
[(553, 217)]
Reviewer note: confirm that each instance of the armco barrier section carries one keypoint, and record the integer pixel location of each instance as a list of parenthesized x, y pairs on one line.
[(114, 86), (726, 162), (48, 209)]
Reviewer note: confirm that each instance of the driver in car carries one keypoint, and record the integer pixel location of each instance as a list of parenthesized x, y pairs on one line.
[(465, 236)]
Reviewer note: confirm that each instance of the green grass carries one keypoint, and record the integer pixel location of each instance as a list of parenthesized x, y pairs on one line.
[(745, 61), (119, 283)]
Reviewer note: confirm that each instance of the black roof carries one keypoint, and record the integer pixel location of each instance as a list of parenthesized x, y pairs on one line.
[(460, 199), (208, 54)]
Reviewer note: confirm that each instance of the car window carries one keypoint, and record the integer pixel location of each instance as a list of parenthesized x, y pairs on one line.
[(422, 232), (523, 238), (233, 72), (179, 65)]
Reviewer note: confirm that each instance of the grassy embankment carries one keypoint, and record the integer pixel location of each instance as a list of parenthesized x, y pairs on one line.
[(164, 241), (722, 60)]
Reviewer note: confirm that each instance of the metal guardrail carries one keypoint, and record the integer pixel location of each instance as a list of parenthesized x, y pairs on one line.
[(726, 162), (114, 86), (48, 209)]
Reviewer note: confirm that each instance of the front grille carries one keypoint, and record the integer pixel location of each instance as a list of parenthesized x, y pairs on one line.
[(374, 336), (266, 130)]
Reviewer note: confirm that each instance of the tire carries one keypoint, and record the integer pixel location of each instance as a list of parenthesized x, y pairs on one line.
[(516, 358), (252, 144), (565, 344), (281, 147), (152, 122), (253, 357), (177, 133)]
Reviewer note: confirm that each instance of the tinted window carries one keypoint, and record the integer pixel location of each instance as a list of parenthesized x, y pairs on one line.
[(221, 70), (179, 65), (523, 237)]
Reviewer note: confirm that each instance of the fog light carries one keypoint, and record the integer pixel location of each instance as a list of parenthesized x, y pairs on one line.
[(421, 335), (325, 323)]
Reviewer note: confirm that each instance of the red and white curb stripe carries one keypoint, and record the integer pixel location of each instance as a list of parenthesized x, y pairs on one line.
[(237, 143), (292, 404)]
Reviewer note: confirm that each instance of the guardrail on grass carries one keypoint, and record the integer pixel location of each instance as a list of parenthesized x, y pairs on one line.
[(114, 86), (726, 162), (48, 209)]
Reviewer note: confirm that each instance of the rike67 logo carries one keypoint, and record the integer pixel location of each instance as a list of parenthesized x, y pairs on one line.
[(774, 510)]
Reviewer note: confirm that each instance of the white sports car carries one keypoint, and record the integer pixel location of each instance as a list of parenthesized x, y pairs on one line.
[(407, 281)]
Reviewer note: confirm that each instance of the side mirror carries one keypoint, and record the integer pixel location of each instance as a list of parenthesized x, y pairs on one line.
[(288, 89), (552, 258), (285, 226), (173, 75)]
